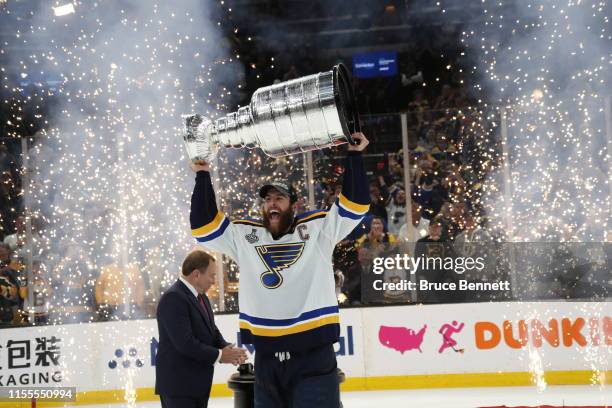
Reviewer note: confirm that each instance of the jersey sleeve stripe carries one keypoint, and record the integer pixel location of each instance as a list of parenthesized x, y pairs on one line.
[(216, 233), (348, 214), (302, 327), (210, 227), (353, 206)]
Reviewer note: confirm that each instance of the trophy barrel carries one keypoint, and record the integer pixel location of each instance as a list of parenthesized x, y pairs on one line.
[(308, 113), (235, 130)]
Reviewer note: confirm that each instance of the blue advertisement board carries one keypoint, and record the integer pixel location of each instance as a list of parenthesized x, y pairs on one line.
[(375, 64)]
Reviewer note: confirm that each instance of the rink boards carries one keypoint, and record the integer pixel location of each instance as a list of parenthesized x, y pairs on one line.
[(392, 347)]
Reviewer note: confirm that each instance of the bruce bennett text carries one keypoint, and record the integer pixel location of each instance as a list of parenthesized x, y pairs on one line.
[(425, 285)]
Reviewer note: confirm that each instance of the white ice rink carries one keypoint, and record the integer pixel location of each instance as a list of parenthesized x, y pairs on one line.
[(454, 397)]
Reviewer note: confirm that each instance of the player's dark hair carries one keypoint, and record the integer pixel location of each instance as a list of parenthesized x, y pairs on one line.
[(197, 259)]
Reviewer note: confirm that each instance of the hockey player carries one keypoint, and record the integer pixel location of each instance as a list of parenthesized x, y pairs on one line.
[(287, 301)]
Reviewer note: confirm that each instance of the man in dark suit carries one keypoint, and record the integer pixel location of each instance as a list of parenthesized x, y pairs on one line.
[(190, 343)]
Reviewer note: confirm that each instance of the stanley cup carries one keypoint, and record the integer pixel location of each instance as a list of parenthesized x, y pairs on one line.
[(308, 113)]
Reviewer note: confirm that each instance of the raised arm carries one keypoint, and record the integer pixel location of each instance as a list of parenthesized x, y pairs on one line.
[(211, 228), (354, 200)]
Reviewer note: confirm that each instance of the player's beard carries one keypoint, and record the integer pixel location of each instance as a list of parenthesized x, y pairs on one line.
[(283, 224)]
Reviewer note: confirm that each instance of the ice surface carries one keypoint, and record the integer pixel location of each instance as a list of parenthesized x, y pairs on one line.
[(451, 397)]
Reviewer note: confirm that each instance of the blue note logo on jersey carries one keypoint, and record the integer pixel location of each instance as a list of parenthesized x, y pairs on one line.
[(277, 257)]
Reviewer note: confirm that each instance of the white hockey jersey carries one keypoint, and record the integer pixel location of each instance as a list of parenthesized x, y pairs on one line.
[(287, 294)]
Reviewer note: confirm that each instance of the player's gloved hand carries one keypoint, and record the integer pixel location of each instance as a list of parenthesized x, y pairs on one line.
[(361, 140), (200, 166)]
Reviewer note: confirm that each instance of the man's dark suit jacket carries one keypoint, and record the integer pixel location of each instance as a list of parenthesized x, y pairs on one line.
[(189, 344)]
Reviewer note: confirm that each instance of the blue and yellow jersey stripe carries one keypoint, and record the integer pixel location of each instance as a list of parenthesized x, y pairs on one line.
[(351, 209), (211, 230), (309, 216), (307, 321), (299, 328), (353, 206), (248, 222)]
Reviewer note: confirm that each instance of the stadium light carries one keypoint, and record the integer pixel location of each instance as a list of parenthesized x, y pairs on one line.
[(63, 10)]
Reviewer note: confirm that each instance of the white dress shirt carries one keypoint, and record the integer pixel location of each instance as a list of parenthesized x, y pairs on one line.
[(195, 293)]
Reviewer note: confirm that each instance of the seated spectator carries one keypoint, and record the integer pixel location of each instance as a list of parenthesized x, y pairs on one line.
[(428, 139), (443, 149), (9, 288), (376, 240), (396, 167), (420, 149), (428, 194), (396, 210), (449, 214), (6, 255), (112, 293), (419, 105), (436, 232), (420, 228), (5, 251), (378, 201)]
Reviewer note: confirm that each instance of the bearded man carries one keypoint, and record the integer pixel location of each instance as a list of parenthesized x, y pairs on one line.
[(288, 306)]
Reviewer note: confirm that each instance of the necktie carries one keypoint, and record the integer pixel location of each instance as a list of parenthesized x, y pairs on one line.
[(203, 305)]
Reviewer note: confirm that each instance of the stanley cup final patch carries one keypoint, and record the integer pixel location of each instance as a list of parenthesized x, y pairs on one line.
[(252, 236)]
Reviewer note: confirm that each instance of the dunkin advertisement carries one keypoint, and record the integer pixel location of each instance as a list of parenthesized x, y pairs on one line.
[(481, 338)]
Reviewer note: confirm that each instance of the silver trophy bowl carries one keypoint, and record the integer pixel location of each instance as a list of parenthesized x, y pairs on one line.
[(308, 113)]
